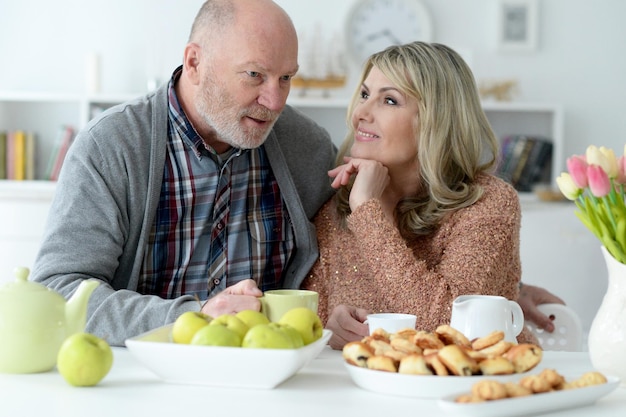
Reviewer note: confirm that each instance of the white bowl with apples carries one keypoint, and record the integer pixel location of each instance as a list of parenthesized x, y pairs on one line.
[(261, 367)]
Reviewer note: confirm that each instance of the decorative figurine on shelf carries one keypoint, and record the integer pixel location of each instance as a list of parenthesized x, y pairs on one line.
[(322, 65), (499, 90)]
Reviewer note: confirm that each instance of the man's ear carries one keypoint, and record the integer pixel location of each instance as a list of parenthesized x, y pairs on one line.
[(191, 62)]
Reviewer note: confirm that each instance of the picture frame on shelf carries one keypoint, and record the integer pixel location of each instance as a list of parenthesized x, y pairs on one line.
[(517, 25)]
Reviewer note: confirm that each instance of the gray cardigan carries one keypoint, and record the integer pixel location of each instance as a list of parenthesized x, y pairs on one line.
[(106, 199)]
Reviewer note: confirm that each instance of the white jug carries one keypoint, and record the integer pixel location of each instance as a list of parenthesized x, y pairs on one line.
[(478, 315)]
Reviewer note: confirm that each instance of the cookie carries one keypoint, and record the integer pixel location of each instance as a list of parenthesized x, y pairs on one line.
[(489, 390)]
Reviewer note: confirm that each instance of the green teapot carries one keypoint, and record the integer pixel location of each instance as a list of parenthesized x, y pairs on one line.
[(35, 321)]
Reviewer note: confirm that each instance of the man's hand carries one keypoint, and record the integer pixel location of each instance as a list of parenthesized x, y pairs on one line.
[(529, 298), (347, 325), (244, 295)]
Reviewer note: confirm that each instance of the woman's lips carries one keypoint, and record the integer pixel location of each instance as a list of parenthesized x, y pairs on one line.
[(364, 136)]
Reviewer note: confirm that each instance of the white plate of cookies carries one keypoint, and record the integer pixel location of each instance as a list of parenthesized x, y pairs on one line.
[(532, 394), (423, 364)]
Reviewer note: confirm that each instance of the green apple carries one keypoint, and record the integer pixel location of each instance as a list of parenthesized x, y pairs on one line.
[(265, 336), (293, 334), (231, 322), (306, 322), (252, 317), (216, 336), (84, 359), (187, 324)]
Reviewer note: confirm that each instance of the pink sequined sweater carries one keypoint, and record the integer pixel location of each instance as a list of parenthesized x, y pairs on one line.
[(474, 251)]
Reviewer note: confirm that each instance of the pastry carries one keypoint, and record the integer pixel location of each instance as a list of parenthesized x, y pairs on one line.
[(553, 378), (450, 335), (427, 340), (457, 361), (496, 366), (524, 356), (379, 346), (414, 364), (516, 390), (590, 378), (404, 345), (489, 340), (496, 350), (357, 353), (433, 361), (404, 334), (468, 398), (380, 334), (535, 383), (382, 363)]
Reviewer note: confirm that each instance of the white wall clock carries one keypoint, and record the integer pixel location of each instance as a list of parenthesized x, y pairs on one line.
[(373, 25)]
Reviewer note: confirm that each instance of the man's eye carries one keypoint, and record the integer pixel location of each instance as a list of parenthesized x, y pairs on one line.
[(286, 77), (253, 74)]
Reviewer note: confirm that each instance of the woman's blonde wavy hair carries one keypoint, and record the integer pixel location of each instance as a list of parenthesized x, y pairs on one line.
[(455, 141)]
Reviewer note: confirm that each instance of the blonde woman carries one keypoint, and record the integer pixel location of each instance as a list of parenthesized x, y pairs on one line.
[(418, 218)]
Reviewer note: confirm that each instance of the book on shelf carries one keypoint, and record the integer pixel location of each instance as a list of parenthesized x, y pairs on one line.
[(525, 160), (17, 155), (3, 155), (64, 139), (30, 152)]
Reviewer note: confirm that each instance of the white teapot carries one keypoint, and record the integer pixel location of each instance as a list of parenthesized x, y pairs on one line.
[(478, 315)]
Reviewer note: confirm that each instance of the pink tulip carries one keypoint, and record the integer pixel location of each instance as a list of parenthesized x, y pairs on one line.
[(577, 168), (599, 182)]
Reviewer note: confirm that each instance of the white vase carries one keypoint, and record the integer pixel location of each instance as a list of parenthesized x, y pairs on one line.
[(607, 335)]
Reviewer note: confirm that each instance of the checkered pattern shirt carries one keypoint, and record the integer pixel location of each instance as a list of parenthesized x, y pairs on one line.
[(220, 218)]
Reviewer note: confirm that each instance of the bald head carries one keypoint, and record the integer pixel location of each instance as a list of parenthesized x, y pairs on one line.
[(216, 17)]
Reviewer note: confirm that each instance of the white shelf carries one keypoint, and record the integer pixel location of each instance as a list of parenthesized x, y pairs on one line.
[(506, 118), (44, 113), (27, 190)]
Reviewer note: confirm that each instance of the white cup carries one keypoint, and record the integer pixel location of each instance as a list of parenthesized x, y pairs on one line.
[(390, 322)]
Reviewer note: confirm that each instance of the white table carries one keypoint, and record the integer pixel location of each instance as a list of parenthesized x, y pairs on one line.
[(323, 388)]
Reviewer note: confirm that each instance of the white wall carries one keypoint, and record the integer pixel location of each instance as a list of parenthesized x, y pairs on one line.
[(580, 62)]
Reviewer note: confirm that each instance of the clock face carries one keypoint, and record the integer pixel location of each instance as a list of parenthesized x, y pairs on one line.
[(373, 25)]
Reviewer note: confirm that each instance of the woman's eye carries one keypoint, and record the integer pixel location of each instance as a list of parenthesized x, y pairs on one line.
[(363, 94), (389, 100)]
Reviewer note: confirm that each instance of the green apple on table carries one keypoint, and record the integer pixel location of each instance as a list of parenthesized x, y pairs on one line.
[(232, 322), (216, 335), (293, 334), (252, 317), (187, 324), (267, 336), (84, 359), (306, 322)]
